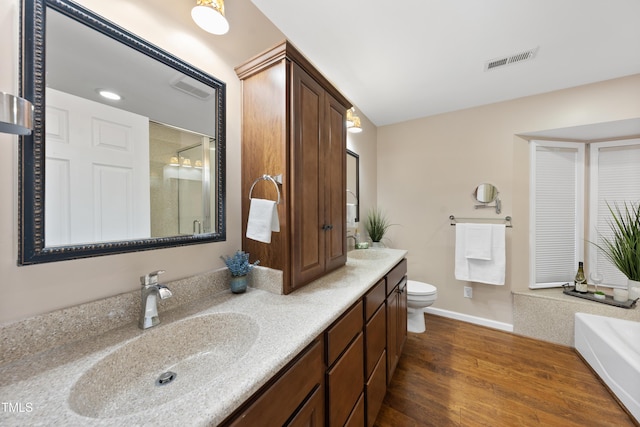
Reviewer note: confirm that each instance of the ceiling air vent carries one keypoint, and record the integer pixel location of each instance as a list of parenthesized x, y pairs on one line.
[(508, 60), (193, 87)]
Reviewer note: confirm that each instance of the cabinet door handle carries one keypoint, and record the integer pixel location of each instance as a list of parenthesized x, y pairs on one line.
[(326, 227)]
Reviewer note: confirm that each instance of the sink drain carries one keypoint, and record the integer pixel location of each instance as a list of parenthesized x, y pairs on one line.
[(166, 378)]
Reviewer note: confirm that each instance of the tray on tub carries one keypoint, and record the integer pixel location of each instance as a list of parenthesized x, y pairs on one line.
[(570, 290)]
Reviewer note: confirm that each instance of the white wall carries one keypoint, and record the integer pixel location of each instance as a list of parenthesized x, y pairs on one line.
[(428, 168)]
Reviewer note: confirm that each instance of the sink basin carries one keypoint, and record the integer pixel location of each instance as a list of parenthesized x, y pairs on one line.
[(195, 350), (368, 254)]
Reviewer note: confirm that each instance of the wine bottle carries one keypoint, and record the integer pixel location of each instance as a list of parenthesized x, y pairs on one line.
[(580, 281)]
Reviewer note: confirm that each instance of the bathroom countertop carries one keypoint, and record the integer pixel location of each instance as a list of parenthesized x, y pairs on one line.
[(37, 387)]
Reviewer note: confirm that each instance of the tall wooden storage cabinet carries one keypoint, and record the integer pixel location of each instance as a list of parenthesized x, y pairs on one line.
[(293, 124)]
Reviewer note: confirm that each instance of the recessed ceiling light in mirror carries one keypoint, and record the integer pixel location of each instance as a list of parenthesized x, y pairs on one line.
[(110, 95)]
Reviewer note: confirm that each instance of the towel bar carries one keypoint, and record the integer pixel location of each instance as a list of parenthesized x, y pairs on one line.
[(275, 179), (506, 219)]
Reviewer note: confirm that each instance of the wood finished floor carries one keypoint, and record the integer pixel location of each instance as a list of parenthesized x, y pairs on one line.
[(460, 374)]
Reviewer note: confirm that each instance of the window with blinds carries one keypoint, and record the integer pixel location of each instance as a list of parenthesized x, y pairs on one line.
[(614, 173), (557, 217)]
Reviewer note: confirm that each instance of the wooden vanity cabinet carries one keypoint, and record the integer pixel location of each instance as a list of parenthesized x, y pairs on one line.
[(396, 287), (345, 369), (293, 124), (375, 350), (294, 397), (341, 378)]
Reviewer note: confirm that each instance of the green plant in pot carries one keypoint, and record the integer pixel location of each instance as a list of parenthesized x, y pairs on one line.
[(239, 266), (623, 248), (376, 225)]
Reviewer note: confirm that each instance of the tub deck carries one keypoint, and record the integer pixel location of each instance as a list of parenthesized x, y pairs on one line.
[(612, 348)]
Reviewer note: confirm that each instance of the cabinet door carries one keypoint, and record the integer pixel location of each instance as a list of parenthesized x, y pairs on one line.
[(281, 400), (402, 315), (335, 166), (312, 412), (376, 388), (356, 419), (392, 333), (307, 204), (345, 383), (375, 340)]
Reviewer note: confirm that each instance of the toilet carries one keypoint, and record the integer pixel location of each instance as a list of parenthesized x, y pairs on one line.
[(419, 295)]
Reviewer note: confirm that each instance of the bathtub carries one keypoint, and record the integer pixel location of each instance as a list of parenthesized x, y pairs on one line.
[(612, 347)]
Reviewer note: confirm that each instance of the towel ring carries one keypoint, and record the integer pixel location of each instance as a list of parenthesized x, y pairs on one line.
[(276, 180)]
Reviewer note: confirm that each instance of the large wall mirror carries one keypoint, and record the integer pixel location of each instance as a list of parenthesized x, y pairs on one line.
[(101, 175)]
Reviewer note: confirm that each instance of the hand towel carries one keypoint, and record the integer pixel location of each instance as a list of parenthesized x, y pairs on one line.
[(478, 241), (263, 219), (351, 215), (490, 271)]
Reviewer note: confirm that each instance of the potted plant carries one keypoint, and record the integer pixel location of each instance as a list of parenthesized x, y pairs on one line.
[(623, 248), (239, 266), (376, 225)]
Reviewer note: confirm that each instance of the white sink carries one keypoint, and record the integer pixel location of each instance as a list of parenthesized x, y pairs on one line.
[(367, 254), (196, 350)]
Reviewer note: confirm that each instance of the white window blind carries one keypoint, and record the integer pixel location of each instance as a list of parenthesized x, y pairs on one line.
[(557, 191), (614, 179)]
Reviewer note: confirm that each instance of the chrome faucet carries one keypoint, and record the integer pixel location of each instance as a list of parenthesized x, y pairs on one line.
[(355, 240), (149, 304)]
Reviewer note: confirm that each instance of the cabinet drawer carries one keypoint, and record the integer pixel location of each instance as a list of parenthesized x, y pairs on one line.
[(312, 413), (375, 339), (374, 299), (357, 415), (376, 388), (279, 402), (345, 383), (342, 332), (396, 274)]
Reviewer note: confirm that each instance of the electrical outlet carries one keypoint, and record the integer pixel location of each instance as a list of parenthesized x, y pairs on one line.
[(468, 292)]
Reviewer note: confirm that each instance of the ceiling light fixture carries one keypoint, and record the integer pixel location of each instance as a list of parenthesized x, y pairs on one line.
[(350, 112), (16, 115), (353, 121), (109, 94), (356, 128), (209, 15)]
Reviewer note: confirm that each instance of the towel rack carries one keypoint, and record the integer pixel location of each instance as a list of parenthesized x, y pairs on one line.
[(506, 219), (277, 179)]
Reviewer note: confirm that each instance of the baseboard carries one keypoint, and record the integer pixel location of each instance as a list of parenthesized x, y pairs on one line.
[(470, 319)]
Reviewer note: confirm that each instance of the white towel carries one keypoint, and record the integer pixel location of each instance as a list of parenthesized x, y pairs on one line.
[(490, 271), (351, 215), (263, 219), (478, 241)]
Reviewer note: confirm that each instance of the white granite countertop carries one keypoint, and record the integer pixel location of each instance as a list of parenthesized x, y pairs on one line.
[(38, 387)]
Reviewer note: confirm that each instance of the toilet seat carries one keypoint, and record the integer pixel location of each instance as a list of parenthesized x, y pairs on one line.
[(420, 288)]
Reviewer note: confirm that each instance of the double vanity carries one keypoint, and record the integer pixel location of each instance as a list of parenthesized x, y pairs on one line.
[(220, 358)]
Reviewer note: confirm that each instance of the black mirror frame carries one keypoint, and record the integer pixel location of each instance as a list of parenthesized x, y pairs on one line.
[(357, 193), (31, 153)]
